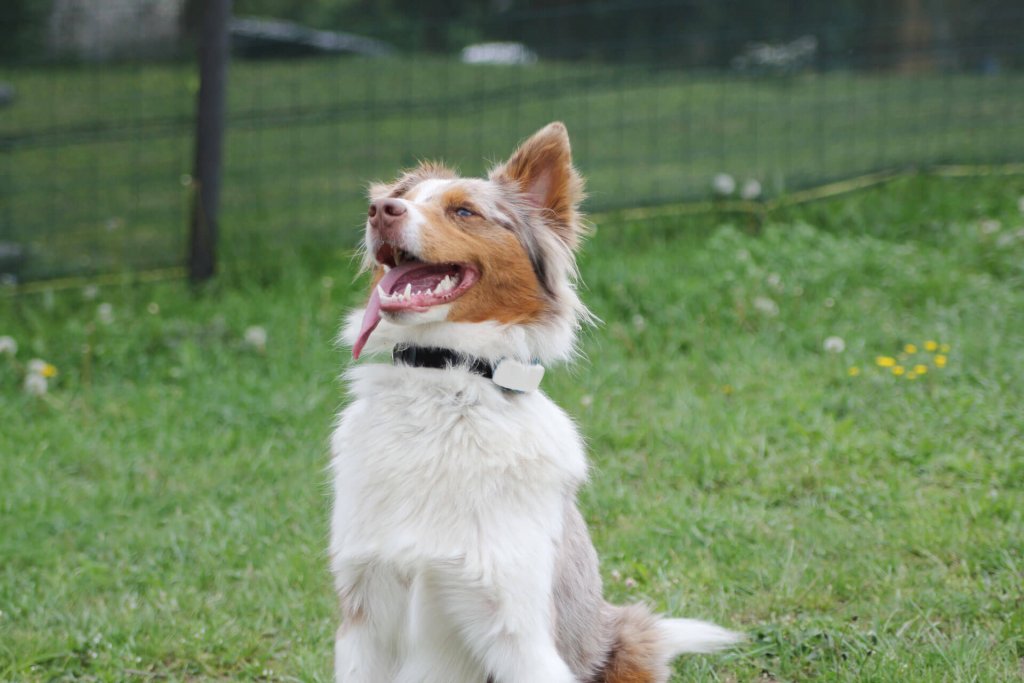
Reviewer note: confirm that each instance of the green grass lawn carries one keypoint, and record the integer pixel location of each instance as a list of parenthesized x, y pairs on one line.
[(95, 163), (164, 507)]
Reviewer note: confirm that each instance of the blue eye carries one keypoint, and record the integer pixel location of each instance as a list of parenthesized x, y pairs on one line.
[(463, 212)]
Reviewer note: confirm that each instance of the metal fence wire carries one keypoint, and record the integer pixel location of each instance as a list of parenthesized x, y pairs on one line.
[(665, 102)]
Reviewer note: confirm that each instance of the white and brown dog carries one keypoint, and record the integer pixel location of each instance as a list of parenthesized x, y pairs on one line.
[(457, 549)]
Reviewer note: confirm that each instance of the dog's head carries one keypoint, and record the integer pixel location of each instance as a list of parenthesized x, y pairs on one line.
[(482, 266)]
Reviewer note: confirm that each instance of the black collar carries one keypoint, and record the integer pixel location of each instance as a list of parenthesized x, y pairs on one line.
[(433, 357)]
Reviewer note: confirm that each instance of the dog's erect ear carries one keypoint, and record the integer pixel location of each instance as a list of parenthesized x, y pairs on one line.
[(542, 168)]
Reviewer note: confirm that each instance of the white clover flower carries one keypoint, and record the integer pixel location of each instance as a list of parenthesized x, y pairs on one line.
[(989, 226), (751, 190), (766, 306), (834, 344), (35, 384), (256, 337), (723, 184), (774, 280), (90, 292), (105, 313), (8, 345), (639, 324), (153, 308)]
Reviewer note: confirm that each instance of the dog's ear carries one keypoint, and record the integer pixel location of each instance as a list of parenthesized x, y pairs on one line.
[(542, 170)]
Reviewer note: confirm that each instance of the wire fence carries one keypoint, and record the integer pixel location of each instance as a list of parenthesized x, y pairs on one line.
[(665, 102)]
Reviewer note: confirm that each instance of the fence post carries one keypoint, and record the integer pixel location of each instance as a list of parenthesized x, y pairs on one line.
[(213, 61)]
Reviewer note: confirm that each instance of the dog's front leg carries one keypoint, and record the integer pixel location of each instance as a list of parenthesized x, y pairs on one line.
[(358, 656), (504, 615), (372, 605)]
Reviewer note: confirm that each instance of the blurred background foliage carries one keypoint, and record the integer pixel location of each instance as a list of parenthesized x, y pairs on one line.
[(972, 34)]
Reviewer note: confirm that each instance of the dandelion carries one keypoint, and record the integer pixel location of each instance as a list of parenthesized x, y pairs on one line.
[(940, 361), (751, 190), (911, 375), (105, 313), (834, 344), (931, 346), (8, 346), (943, 348), (910, 348), (40, 367), (885, 361), (766, 306), (727, 389), (35, 385), (854, 371), (898, 370), (256, 337), (920, 369), (723, 184)]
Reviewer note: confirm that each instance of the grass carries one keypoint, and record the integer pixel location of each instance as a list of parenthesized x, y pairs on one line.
[(95, 171), (165, 505)]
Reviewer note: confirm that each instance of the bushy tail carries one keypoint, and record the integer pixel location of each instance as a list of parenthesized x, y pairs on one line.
[(645, 643)]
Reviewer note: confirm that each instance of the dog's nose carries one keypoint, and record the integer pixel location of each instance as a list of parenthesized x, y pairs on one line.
[(386, 214)]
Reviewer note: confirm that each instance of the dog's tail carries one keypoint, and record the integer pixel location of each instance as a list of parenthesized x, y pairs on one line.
[(644, 643)]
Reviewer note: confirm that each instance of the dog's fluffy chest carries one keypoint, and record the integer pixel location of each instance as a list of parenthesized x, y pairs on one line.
[(431, 464)]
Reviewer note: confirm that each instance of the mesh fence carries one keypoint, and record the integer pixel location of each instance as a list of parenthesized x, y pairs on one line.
[(96, 128)]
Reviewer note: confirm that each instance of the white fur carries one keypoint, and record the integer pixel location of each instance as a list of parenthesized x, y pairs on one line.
[(693, 635), (448, 496)]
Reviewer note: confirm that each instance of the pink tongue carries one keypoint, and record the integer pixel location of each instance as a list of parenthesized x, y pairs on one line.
[(372, 316)]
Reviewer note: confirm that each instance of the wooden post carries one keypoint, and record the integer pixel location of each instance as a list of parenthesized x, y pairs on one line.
[(213, 63)]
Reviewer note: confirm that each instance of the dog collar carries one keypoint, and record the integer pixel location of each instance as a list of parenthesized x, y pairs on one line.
[(506, 373)]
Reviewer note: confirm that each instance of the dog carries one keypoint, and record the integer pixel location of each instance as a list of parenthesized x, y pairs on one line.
[(457, 549)]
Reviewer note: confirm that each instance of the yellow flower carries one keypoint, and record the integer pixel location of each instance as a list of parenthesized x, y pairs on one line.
[(911, 375), (898, 370), (853, 371), (944, 348), (885, 361), (49, 370), (910, 348), (920, 369), (727, 389), (940, 361), (931, 346)]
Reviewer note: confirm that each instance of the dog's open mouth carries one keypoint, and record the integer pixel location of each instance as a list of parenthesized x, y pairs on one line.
[(412, 285)]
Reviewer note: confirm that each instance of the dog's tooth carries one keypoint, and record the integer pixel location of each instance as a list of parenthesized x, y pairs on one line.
[(381, 293), (408, 290)]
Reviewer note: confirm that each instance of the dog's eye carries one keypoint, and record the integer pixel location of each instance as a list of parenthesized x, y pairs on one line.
[(463, 212)]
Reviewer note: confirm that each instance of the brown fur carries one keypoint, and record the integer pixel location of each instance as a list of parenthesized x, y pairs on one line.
[(508, 290), (637, 653)]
